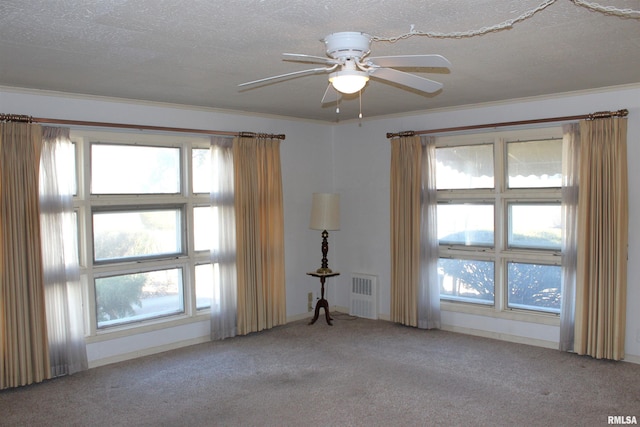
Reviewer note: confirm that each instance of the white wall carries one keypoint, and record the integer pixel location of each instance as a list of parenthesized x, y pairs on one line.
[(352, 159), (362, 156)]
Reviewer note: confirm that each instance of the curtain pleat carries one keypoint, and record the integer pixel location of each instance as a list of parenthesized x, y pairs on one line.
[(23, 329), (601, 278), (63, 291), (570, 190), (261, 299), (414, 287)]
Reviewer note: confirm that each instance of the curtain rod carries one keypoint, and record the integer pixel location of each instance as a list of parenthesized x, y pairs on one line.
[(592, 116), (29, 119)]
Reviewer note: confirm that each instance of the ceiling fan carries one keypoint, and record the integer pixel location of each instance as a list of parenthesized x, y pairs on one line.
[(350, 66)]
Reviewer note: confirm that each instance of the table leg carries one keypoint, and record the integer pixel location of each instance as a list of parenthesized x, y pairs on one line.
[(322, 303)]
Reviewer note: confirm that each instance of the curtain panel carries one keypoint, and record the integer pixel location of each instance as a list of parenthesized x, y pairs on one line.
[(601, 277), (223, 252), (63, 289), (570, 190), (24, 351), (261, 298), (415, 299)]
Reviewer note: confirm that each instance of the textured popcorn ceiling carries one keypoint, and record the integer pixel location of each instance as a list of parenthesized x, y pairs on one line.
[(197, 52)]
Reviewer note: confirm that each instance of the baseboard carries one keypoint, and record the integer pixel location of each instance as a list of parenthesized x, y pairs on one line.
[(171, 346), (148, 351), (468, 331), (501, 336), (343, 309), (519, 340), (302, 316)]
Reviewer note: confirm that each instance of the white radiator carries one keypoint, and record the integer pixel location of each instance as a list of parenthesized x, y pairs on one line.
[(364, 296)]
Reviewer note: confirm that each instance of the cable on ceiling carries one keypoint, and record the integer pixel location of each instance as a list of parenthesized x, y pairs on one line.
[(608, 10)]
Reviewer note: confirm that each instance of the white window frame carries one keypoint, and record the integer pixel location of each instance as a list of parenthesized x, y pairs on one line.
[(500, 196), (85, 203)]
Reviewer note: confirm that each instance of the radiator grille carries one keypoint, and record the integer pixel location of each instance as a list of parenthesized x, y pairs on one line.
[(364, 296)]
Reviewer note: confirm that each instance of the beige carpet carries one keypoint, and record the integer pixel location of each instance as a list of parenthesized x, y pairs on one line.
[(356, 373)]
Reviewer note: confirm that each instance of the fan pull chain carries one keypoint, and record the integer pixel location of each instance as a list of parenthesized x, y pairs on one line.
[(360, 98)]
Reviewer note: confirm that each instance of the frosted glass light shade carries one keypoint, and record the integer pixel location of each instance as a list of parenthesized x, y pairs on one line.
[(348, 81), (325, 211)]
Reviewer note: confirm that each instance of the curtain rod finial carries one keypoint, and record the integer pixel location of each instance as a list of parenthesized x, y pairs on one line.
[(20, 118), (401, 134)]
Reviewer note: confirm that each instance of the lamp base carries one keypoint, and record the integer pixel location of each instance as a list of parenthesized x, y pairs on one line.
[(324, 270)]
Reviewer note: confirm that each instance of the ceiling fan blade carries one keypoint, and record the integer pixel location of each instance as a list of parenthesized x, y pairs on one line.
[(299, 57), (406, 79), (288, 76), (435, 61)]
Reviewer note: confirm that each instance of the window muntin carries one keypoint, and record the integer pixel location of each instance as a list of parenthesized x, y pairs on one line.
[(467, 280), (535, 226), (120, 235), (534, 286), (465, 224), (134, 297), (467, 166), (525, 200), (135, 169), (534, 164)]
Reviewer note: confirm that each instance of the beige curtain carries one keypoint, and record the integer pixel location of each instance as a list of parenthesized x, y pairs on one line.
[(406, 178), (23, 330), (261, 299), (601, 282)]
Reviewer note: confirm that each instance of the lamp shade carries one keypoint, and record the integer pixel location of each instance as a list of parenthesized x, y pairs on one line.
[(325, 211)]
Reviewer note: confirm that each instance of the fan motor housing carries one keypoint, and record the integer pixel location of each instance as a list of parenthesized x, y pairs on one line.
[(347, 44)]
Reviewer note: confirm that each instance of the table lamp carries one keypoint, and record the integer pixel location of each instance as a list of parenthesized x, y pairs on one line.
[(325, 215)]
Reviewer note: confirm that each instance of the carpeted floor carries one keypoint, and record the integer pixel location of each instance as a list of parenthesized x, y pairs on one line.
[(356, 373)]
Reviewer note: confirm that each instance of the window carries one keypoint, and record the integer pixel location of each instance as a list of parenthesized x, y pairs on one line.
[(499, 220), (144, 227)]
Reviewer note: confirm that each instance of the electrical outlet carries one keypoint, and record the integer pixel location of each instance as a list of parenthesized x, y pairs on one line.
[(310, 301)]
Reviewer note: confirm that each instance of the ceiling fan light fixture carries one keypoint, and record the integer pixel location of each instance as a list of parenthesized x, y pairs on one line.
[(348, 81)]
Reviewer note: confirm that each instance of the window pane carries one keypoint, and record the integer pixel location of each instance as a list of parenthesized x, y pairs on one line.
[(201, 161), (534, 164), (537, 226), (206, 274), (534, 286), (469, 166), (134, 169), (134, 297), (466, 280), (465, 224), (204, 226), (136, 234)]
